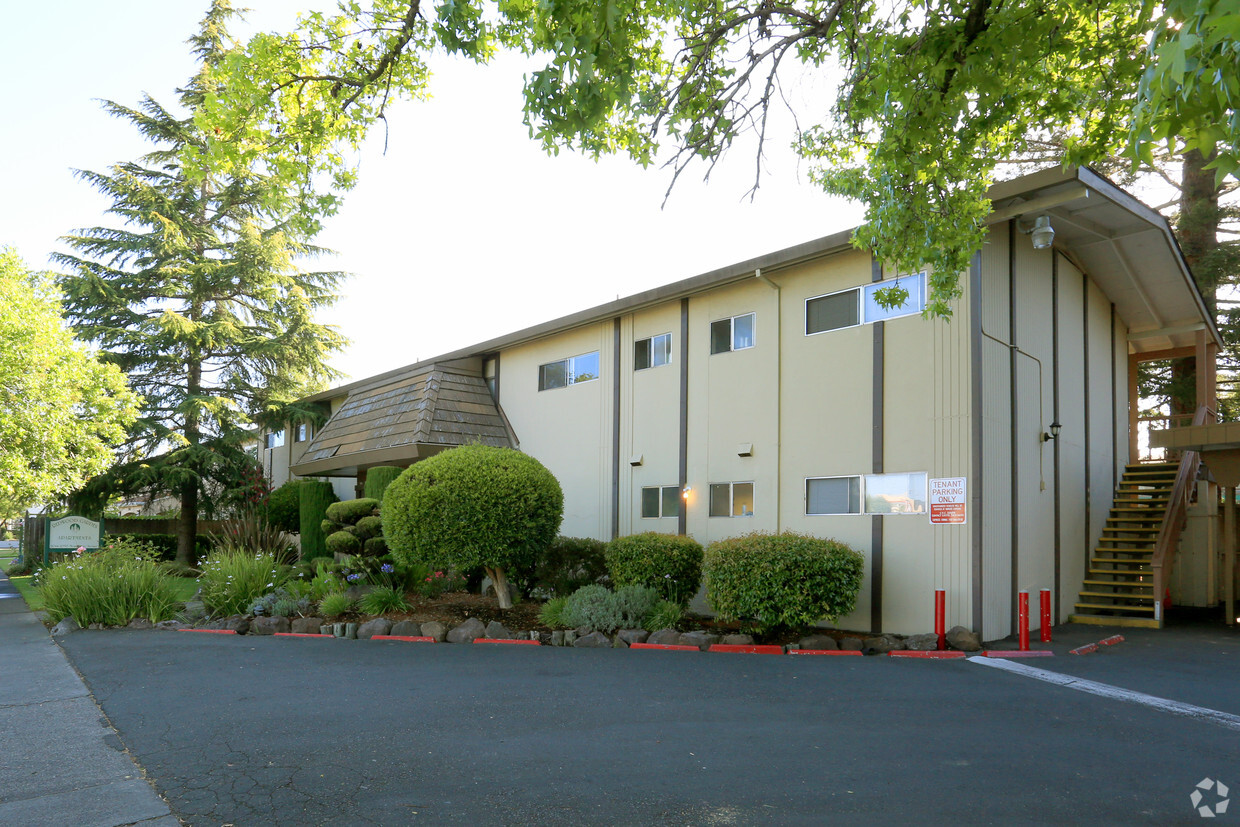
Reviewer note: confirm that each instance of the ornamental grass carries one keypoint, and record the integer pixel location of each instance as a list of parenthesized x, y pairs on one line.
[(100, 588)]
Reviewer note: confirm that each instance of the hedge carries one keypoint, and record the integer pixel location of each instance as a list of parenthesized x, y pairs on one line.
[(378, 479), (316, 496), (667, 563)]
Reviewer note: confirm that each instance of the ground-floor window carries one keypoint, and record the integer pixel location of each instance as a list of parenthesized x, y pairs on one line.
[(731, 499), (661, 501), (902, 493)]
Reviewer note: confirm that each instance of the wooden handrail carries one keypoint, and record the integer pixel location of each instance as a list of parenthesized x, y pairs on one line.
[(1174, 519)]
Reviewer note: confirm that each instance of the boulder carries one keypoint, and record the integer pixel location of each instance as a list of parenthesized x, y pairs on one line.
[(236, 623), (852, 644), (96, 626), (594, 640), (435, 629), (269, 625), (406, 628), (378, 626), (702, 640), (557, 638), (140, 624), (497, 631), (66, 627), (631, 636), (169, 625), (737, 640), (306, 625), (619, 643), (958, 637), (664, 637), (922, 643), (882, 644), (467, 632), (819, 643)]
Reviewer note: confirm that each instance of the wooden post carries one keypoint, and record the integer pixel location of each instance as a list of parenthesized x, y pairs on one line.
[(1229, 554), (1134, 405)]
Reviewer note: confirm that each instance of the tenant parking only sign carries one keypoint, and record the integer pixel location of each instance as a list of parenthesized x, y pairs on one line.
[(947, 505)]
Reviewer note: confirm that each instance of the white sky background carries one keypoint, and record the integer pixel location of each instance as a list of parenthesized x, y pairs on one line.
[(462, 232)]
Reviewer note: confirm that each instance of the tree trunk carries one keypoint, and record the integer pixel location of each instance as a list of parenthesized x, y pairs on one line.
[(187, 524), (500, 582), (1197, 231)]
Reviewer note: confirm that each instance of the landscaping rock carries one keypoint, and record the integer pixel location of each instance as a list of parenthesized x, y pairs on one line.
[(958, 637), (350, 631), (702, 640), (664, 637), (738, 640), (467, 632), (582, 631), (557, 638), (922, 643), (631, 636), (406, 628), (66, 627), (96, 626), (269, 625), (497, 631), (378, 626), (819, 642), (169, 625), (852, 644), (882, 644), (594, 640), (140, 624), (235, 623), (436, 630), (569, 637), (306, 625), (619, 643)]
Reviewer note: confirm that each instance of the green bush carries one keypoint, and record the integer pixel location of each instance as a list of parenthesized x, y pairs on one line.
[(109, 589), (551, 614), (336, 604), (286, 601), (165, 544), (635, 604), (665, 615), (375, 547), (231, 581), (369, 527), (21, 568), (329, 527), (348, 512), (474, 506), (316, 496), (670, 564), (569, 563), (252, 534), (787, 580), (343, 542), (283, 506), (594, 607), (383, 599), (378, 479)]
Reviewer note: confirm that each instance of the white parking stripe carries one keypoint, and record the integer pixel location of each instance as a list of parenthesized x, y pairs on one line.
[(1104, 690)]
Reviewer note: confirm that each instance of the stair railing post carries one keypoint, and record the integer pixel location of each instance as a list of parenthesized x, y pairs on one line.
[(1229, 554)]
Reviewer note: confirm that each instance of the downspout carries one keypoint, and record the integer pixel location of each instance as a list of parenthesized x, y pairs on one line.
[(779, 397)]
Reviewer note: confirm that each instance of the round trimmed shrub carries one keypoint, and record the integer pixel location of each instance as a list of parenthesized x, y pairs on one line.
[(375, 547), (343, 542), (378, 479), (569, 563), (668, 563), (283, 507), (474, 506), (594, 607), (635, 604), (348, 512), (368, 527), (771, 581), (330, 527)]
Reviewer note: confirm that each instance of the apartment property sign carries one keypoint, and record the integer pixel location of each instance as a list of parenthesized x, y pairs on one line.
[(947, 503), (71, 533)]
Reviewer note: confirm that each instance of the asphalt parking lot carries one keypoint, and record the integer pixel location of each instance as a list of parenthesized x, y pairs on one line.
[(293, 731)]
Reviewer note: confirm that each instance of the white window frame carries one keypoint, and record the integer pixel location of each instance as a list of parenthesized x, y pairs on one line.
[(275, 439), (731, 515), (570, 371), (731, 320), (662, 489), (301, 432), (650, 349), (864, 511), (860, 290)]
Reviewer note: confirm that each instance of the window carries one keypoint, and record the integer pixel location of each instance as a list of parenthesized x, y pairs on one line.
[(849, 308), (731, 499), (652, 352), (569, 371), (869, 494), (735, 333), (661, 501), (275, 440), (302, 432)]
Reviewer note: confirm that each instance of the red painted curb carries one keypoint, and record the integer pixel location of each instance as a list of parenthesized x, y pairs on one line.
[(1085, 650), (410, 638), (210, 631), (1016, 653), (933, 654), (499, 640), (1111, 641), (746, 648), (673, 647), (824, 652), (301, 634)]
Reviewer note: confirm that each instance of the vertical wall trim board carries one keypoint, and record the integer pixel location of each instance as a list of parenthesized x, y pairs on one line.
[(1055, 418), (615, 431), (975, 414), (1088, 457), (682, 521), (497, 397), (1114, 403), (1014, 445), (876, 521)]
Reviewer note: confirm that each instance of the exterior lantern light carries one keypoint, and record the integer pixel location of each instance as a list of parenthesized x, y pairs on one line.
[(684, 492), (1054, 434), (1043, 233)]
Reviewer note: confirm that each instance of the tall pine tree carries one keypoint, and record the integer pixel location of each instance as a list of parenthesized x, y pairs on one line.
[(197, 296)]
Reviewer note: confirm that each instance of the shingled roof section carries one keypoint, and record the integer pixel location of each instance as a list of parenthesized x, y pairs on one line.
[(405, 418)]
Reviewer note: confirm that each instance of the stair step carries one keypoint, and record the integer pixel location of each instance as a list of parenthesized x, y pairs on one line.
[(1114, 620), (1121, 584), (1116, 596), (1110, 608), (1118, 529)]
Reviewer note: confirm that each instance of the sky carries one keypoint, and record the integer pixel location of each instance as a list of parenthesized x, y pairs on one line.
[(462, 231)]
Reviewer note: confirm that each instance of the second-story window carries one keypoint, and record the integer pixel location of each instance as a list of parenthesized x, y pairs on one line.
[(731, 334), (570, 371), (652, 352)]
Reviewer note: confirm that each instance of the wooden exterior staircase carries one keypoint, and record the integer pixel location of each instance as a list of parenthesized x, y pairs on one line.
[(1120, 588)]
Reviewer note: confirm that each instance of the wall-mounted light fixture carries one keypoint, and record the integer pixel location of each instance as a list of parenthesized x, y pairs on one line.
[(684, 492), (1054, 434), (1041, 232)]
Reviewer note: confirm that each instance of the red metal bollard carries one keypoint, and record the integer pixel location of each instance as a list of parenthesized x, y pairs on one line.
[(1045, 598), (940, 617), (1023, 620)]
